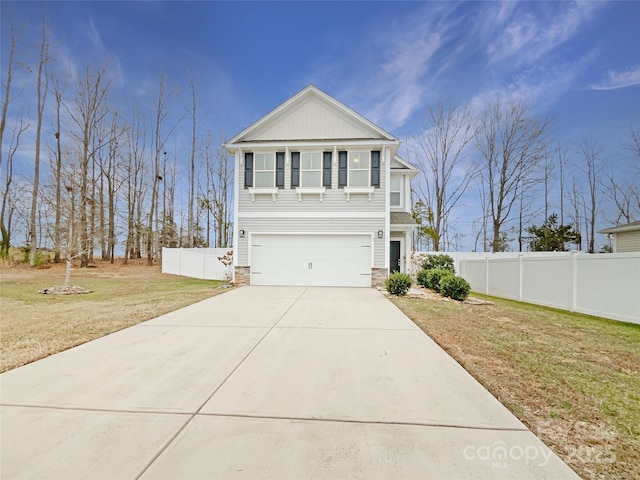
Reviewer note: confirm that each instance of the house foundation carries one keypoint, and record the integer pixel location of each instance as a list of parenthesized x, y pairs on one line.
[(242, 276), (378, 276)]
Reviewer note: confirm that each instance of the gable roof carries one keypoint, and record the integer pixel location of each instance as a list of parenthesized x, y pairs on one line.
[(330, 120), (629, 227), (398, 164)]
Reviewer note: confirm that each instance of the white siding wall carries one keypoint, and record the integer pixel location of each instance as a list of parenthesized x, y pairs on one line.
[(333, 214), (628, 242)]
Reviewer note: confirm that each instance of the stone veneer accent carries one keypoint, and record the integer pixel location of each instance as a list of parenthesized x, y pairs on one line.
[(378, 276), (242, 276)]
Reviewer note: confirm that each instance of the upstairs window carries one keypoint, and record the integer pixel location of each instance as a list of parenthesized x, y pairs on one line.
[(395, 191), (310, 169), (359, 164), (359, 169), (264, 172)]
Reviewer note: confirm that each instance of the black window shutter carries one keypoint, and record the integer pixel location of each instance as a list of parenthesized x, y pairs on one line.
[(375, 168), (326, 169), (295, 169), (342, 169), (248, 170), (280, 169)]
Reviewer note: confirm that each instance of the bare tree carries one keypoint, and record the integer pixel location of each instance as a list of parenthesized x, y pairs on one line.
[(440, 153), (7, 89), (592, 156), (511, 145), (191, 226), (88, 111), (42, 87), (561, 155), (160, 137), (216, 199), (625, 192), (8, 204), (58, 91)]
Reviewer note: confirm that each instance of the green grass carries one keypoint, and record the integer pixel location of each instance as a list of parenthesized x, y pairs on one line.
[(573, 379)]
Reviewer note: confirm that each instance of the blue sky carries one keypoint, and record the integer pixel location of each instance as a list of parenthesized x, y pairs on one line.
[(577, 62)]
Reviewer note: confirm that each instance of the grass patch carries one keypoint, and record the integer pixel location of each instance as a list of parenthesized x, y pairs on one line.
[(573, 379), (34, 325)]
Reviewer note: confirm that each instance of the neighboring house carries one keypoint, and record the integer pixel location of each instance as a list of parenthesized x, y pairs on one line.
[(626, 238), (321, 198)]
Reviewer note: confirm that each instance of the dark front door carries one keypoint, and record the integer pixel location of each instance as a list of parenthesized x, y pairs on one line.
[(394, 261)]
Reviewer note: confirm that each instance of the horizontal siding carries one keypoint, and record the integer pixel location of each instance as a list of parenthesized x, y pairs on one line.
[(368, 226), (628, 242), (334, 199)]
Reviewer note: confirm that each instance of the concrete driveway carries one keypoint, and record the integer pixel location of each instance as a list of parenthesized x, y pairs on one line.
[(263, 382)]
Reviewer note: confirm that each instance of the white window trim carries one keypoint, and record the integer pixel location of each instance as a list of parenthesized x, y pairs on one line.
[(253, 191), (349, 169), (358, 190), (255, 170), (400, 206), (303, 170), (310, 191)]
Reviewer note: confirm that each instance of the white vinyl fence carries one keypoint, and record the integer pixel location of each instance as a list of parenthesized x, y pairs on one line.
[(205, 263), (606, 285)]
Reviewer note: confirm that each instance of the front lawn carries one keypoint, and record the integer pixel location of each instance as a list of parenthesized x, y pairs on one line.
[(33, 325), (574, 380)]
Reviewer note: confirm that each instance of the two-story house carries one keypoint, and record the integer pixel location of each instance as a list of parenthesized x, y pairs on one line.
[(321, 197)]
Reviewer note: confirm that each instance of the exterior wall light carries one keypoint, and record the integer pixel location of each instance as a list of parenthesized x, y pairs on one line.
[(380, 234), (241, 232)]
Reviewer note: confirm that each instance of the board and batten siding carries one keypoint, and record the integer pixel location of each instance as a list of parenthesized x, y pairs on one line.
[(313, 225), (628, 241)]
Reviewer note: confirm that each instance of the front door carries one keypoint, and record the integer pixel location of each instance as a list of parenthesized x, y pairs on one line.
[(394, 261)]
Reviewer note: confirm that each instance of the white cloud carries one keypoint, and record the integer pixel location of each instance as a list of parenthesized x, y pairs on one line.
[(539, 88), (523, 38), (409, 64), (622, 79)]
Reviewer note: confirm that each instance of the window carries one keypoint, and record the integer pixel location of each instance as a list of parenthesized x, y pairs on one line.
[(311, 169), (359, 169), (396, 191), (264, 170)]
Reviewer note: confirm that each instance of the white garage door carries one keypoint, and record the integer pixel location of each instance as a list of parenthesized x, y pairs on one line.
[(313, 260)]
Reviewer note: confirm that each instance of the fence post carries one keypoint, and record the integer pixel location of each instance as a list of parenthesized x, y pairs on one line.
[(520, 275), (574, 276), (486, 271)]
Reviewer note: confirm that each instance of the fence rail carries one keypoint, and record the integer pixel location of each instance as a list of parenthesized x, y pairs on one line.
[(201, 263), (606, 285)]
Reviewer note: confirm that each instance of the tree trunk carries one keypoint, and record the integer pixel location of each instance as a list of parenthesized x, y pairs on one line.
[(41, 97)]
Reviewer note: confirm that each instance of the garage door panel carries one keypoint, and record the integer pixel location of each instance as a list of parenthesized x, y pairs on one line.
[(323, 260)]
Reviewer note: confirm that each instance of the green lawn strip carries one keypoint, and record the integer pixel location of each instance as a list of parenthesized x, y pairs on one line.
[(572, 378)]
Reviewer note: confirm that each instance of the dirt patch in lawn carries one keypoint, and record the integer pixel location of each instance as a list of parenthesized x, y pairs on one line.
[(34, 325), (574, 380)]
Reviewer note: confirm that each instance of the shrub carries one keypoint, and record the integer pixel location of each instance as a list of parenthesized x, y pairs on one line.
[(439, 262), (434, 278), (454, 287), (422, 278), (398, 283)]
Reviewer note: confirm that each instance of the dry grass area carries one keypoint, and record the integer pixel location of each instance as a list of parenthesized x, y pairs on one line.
[(574, 380), (33, 325)]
